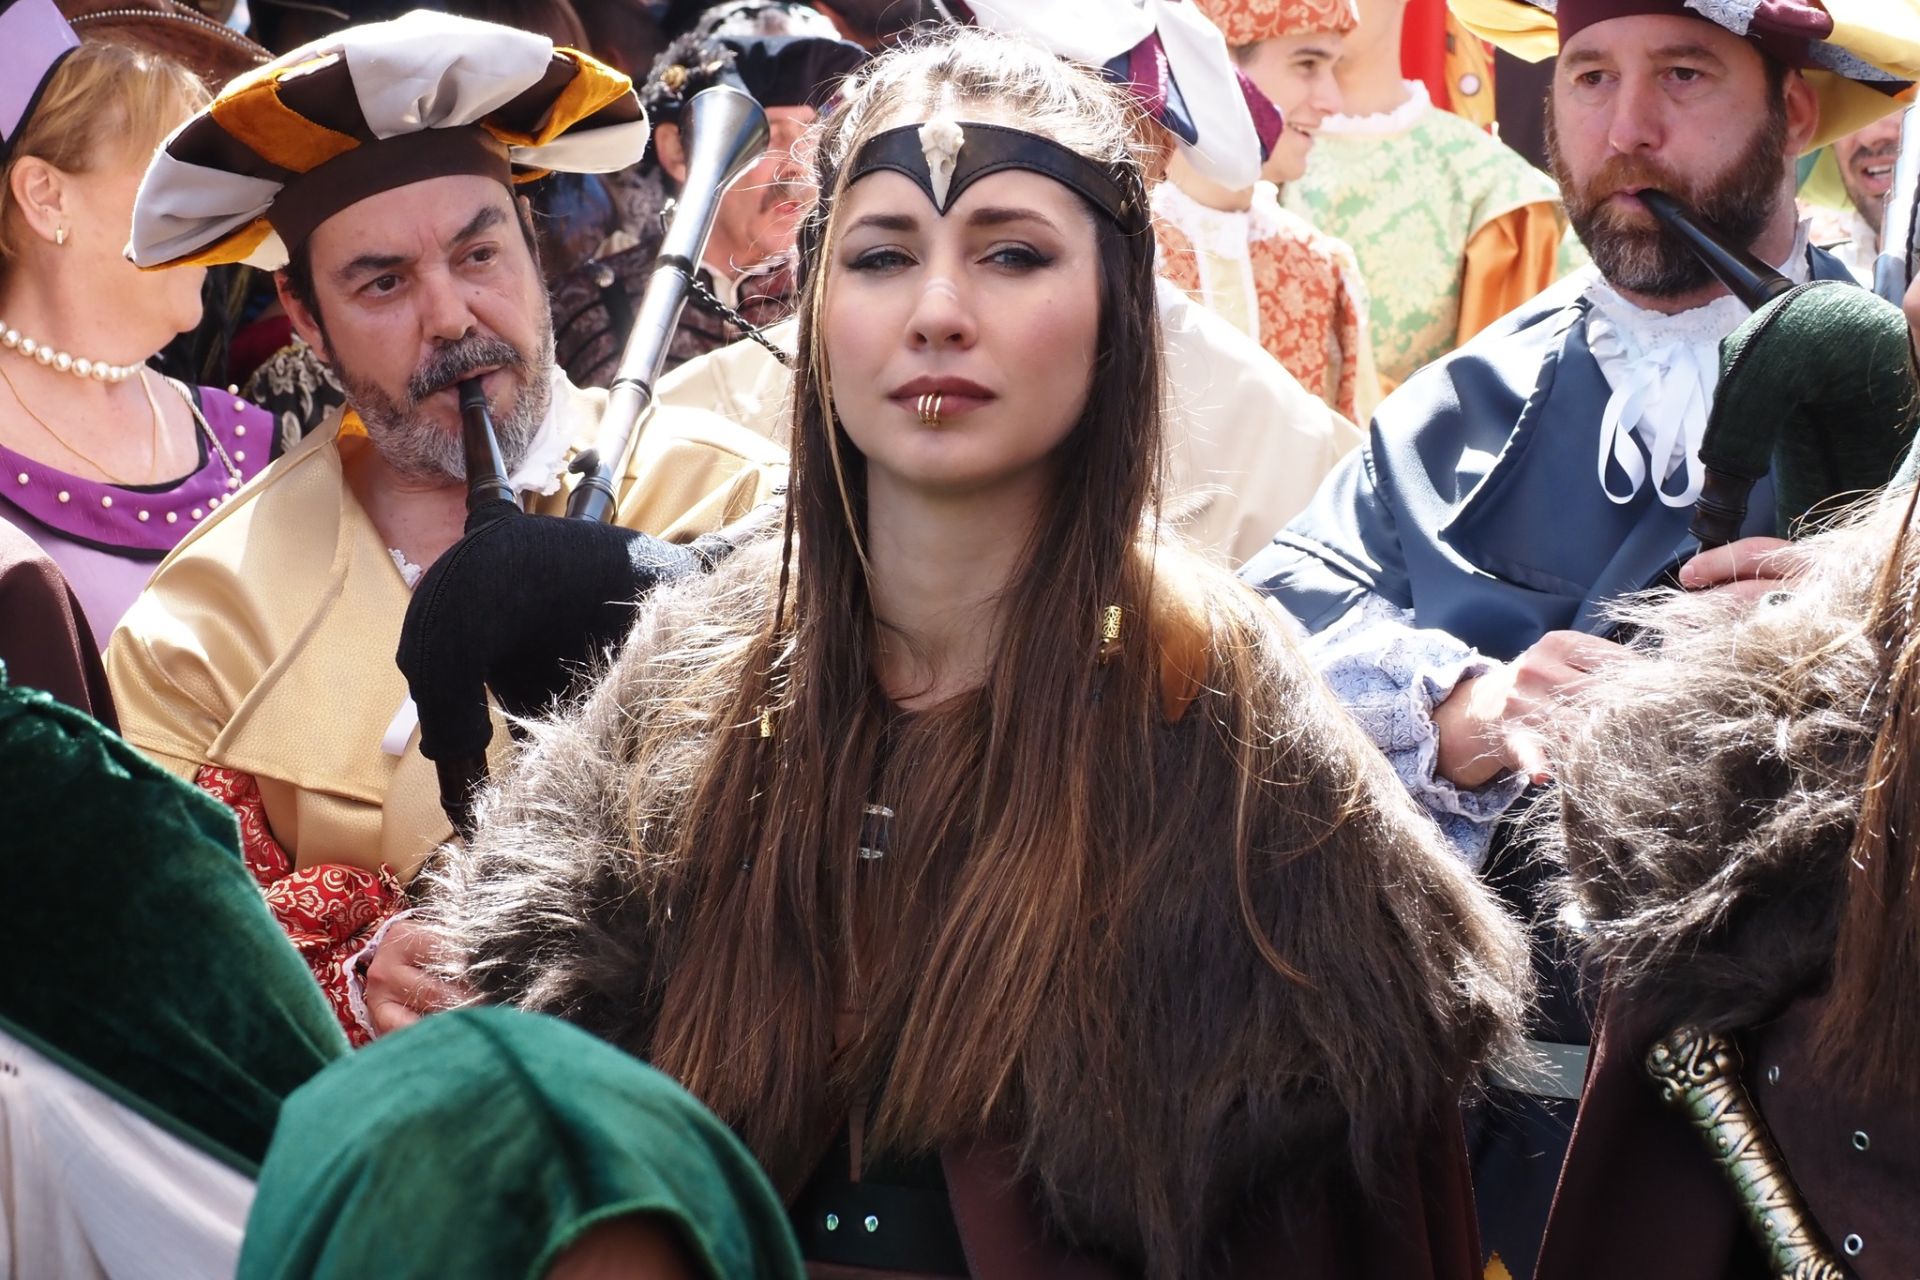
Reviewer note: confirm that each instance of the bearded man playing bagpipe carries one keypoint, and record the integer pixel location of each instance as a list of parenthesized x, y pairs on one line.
[(373, 172), (1457, 573)]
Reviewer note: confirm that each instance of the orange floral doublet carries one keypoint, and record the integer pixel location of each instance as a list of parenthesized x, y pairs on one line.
[(1308, 307)]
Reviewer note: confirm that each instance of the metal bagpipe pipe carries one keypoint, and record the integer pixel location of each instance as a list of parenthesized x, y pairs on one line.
[(725, 132), (1893, 271), (1817, 388)]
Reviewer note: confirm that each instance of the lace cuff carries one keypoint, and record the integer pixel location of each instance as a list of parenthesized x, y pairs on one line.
[(1390, 675)]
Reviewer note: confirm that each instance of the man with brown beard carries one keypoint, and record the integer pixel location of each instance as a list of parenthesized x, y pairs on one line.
[(1456, 573)]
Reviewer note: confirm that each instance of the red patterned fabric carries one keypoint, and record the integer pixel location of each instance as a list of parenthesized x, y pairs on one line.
[(1311, 316), (329, 912), (1245, 22)]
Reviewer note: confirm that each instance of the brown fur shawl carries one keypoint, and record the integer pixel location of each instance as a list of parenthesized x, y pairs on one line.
[(1232, 1076), (1710, 785)]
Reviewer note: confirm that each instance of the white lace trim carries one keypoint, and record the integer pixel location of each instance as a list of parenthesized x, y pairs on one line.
[(409, 571), (406, 718), (1217, 231), (1221, 258), (1264, 216), (1663, 370), (1383, 124)]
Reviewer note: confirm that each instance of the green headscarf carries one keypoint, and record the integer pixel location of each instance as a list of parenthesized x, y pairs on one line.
[(135, 949), (483, 1142)]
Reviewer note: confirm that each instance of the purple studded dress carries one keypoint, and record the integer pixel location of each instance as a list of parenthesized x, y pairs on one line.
[(107, 538)]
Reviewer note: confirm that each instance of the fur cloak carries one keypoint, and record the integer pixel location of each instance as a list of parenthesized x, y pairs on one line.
[(1710, 789), (1710, 784), (1231, 1078)]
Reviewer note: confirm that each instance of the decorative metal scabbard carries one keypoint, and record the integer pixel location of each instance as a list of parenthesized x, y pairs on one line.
[(1699, 1073)]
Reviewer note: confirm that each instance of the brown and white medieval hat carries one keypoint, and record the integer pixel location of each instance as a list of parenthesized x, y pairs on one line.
[(1860, 56), (366, 110)]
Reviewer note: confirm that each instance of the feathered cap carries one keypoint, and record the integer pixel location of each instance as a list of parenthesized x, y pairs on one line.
[(1245, 22), (1860, 56), (34, 39), (366, 110)]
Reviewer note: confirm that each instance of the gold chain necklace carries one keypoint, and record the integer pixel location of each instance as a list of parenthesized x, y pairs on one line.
[(153, 439)]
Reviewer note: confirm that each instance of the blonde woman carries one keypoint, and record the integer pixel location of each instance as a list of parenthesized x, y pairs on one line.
[(104, 462)]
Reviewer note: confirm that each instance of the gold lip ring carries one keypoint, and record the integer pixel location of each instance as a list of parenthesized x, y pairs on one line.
[(920, 406), (933, 410)]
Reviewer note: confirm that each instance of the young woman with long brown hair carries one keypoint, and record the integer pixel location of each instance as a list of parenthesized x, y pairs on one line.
[(991, 864)]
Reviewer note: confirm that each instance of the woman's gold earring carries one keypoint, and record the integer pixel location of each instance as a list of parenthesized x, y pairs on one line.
[(60, 235)]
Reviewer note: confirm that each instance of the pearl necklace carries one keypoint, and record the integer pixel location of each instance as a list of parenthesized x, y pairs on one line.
[(79, 366)]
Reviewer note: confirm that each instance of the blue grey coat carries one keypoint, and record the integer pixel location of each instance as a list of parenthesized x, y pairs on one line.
[(1475, 503)]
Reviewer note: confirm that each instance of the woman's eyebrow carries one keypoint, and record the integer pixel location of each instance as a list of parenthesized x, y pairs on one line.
[(998, 217), (885, 222)]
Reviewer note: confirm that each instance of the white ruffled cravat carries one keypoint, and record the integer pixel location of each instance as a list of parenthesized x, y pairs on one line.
[(1663, 370)]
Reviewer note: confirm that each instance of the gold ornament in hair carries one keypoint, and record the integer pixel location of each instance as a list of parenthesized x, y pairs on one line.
[(1110, 633)]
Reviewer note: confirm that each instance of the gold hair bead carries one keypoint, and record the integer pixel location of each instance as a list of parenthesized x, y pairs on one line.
[(1109, 633), (766, 722)]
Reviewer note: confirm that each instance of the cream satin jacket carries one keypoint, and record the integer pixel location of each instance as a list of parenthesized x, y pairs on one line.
[(265, 641)]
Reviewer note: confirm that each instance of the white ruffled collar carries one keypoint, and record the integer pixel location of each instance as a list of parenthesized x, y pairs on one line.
[(1384, 123), (1663, 371), (1225, 232)]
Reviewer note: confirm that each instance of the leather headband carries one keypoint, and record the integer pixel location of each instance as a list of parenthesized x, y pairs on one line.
[(990, 148)]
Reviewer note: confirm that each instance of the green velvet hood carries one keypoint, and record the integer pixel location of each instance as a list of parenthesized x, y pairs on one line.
[(135, 949), (481, 1143)]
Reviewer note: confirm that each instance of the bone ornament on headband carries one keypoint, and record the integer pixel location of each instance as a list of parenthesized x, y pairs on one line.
[(944, 157)]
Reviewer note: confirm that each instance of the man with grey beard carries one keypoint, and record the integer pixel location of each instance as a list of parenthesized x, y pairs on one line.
[(1455, 574), (260, 660)]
